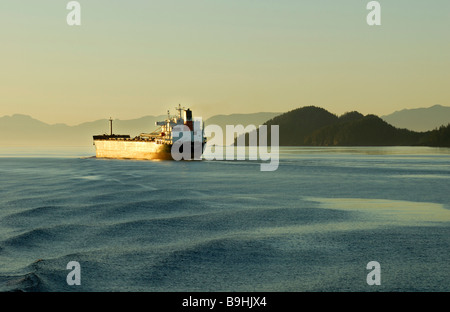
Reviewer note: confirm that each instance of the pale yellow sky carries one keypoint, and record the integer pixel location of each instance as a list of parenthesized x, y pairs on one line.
[(134, 58)]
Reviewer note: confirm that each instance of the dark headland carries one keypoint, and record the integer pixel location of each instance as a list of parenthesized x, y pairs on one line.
[(315, 126)]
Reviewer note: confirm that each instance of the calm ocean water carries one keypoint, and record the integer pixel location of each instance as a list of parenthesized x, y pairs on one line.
[(312, 225)]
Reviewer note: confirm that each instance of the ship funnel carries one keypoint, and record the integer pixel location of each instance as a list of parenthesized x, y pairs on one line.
[(187, 115)]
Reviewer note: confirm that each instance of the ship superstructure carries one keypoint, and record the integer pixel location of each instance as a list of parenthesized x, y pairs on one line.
[(157, 144)]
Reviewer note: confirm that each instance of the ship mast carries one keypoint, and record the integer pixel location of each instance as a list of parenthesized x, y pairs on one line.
[(179, 109)]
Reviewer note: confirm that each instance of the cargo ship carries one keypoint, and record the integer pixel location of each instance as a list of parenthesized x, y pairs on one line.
[(157, 144)]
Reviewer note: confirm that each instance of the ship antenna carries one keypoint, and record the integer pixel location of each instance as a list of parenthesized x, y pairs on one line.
[(110, 125)]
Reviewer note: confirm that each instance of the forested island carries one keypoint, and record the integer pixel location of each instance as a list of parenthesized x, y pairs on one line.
[(315, 126)]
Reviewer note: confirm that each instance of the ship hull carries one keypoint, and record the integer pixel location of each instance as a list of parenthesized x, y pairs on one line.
[(129, 149), (119, 149)]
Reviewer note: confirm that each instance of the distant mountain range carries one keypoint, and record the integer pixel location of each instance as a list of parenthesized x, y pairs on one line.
[(23, 130), (315, 126), (420, 119)]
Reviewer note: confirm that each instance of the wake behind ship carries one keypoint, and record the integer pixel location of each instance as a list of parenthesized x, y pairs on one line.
[(155, 145)]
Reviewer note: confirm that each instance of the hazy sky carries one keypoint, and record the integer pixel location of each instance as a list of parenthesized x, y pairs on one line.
[(134, 58)]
